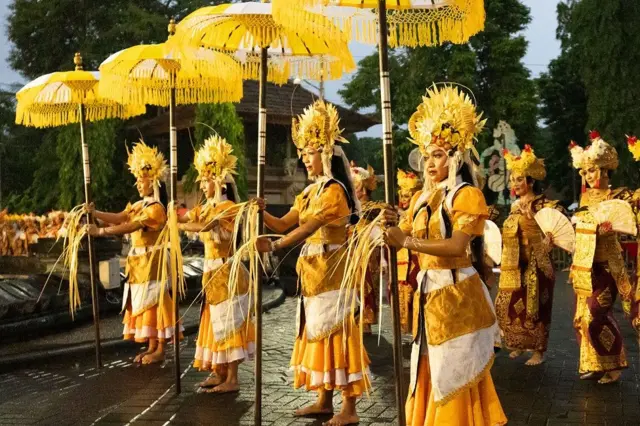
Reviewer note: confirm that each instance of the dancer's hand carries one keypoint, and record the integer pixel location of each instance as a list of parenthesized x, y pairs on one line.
[(605, 228), (93, 230), (395, 237), (263, 245), (262, 204), (390, 216), (90, 208)]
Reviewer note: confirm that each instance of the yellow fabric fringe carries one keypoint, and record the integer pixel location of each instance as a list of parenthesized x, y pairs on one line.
[(408, 26)]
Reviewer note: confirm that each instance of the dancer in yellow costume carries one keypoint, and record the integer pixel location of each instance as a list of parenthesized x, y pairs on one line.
[(598, 272), (408, 265), (226, 336), (328, 353), (527, 278), (149, 315), (364, 182), (454, 322)]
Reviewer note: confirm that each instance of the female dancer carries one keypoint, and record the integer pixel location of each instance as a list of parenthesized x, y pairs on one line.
[(328, 353), (364, 183), (527, 277), (149, 315), (408, 265), (598, 271), (454, 322), (226, 337)]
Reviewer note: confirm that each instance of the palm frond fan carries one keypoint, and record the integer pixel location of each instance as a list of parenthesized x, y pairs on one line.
[(553, 222), (492, 241), (618, 213)]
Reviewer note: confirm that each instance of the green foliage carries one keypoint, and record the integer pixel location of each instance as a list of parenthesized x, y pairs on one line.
[(490, 65), (606, 41), (224, 120)]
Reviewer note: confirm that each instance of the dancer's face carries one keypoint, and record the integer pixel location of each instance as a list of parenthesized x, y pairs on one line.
[(436, 162), (361, 192), (312, 160), (145, 187), (519, 185), (208, 187), (404, 199), (592, 175)]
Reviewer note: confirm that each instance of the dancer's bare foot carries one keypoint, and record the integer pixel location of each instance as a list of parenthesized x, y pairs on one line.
[(342, 419), (211, 381), (610, 377), (226, 387), (591, 376), (315, 409), (154, 358), (536, 359), (515, 354), (138, 358)]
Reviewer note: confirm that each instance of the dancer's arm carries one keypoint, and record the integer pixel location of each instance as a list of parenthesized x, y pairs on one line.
[(112, 218), (121, 229), (279, 225)]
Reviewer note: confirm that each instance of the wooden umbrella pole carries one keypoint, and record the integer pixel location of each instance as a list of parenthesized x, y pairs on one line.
[(173, 163), (389, 192), (86, 168), (262, 146)]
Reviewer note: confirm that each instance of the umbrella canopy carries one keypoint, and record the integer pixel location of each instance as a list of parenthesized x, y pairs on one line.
[(411, 23), (245, 28), (54, 99), (147, 73)]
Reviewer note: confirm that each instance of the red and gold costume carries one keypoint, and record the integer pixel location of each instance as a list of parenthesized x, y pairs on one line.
[(527, 277), (148, 307), (598, 272), (328, 352), (226, 333), (454, 324)]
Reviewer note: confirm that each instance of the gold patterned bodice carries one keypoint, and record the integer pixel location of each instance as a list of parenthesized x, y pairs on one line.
[(152, 216), (217, 242), (309, 205)]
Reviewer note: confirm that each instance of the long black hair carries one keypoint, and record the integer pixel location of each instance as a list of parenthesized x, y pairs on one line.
[(164, 196), (342, 175), (230, 193), (477, 243), (537, 185)]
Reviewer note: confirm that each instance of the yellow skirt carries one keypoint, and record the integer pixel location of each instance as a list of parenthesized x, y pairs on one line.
[(330, 364), (213, 355), (154, 323), (477, 406)]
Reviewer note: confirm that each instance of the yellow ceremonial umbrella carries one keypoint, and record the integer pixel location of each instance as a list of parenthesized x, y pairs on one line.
[(70, 97), (410, 23), (248, 29), (168, 74)]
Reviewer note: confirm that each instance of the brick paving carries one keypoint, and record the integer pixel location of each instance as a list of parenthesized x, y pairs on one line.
[(72, 393)]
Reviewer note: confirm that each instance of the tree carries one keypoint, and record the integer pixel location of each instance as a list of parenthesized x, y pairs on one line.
[(224, 120), (563, 100), (490, 65), (606, 42)]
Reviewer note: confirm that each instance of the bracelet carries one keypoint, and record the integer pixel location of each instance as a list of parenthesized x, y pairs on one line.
[(101, 232), (273, 245)]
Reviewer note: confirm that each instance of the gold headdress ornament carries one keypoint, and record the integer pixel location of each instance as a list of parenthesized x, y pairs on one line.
[(365, 177), (318, 127), (146, 162), (215, 161), (634, 147), (447, 118), (599, 154), (408, 183), (526, 164)]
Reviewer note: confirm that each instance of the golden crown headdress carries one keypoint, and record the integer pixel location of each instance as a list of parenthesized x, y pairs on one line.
[(214, 160), (634, 147), (599, 154), (408, 183), (365, 177), (146, 162), (447, 118), (317, 127), (525, 164)]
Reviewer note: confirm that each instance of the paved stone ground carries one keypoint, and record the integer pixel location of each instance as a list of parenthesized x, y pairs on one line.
[(70, 392)]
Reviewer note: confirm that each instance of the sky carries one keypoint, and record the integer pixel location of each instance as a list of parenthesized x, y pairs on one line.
[(543, 46)]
